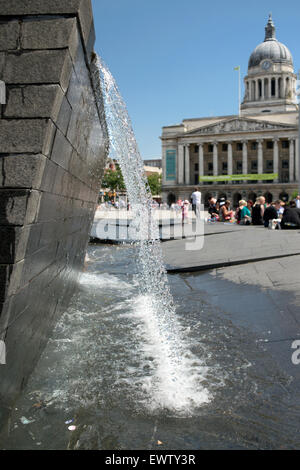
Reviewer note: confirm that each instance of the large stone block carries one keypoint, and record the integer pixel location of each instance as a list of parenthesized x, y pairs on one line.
[(52, 207), (10, 279), (9, 35), (49, 176), (38, 262), (64, 116), (37, 101), (82, 8), (23, 171), (47, 34), (62, 150), (38, 67), (13, 244), (30, 136), (18, 207)]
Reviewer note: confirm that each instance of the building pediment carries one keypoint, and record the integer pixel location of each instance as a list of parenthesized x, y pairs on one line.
[(240, 125)]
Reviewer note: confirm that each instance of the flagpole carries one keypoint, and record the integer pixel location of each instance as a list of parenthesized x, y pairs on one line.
[(239, 91), (238, 68)]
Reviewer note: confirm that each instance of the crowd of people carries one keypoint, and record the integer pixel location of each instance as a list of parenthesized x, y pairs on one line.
[(275, 215)]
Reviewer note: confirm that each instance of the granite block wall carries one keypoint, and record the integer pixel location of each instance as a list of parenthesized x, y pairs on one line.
[(53, 149)]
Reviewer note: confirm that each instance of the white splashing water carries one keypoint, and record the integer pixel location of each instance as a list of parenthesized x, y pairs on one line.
[(174, 386)]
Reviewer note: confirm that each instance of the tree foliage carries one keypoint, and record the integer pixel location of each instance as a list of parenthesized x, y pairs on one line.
[(154, 181), (113, 180)]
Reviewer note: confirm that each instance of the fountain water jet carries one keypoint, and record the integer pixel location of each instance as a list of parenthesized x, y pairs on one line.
[(173, 386)]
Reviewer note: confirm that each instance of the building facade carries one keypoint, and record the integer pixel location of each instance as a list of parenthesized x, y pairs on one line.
[(247, 155)]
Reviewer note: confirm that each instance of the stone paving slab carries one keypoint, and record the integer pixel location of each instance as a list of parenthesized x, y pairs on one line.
[(263, 297), (238, 245)]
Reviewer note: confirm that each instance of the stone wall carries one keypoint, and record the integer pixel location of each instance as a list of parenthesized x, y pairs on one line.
[(53, 148)]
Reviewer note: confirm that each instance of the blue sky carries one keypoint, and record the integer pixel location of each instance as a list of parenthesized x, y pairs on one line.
[(174, 59)]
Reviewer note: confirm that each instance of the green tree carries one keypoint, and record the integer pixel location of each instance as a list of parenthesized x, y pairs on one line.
[(294, 195), (154, 181), (113, 180)]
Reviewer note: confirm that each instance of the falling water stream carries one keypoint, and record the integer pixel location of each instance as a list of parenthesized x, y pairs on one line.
[(176, 387)]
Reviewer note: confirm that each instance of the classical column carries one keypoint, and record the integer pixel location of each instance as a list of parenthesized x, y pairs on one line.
[(164, 158), (292, 160), (256, 90), (297, 156), (250, 90), (283, 87), (276, 88), (275, 157), (187, 164), (263, 89), (201, 160), (229, 158), (245, 157), (180, 163), (260, 156), (215, 159)]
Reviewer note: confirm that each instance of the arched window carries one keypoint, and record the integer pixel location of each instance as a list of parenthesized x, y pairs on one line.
[(252, 196), (259, 89), (269, 197), (171, 199), (273, 87), (236, 198)]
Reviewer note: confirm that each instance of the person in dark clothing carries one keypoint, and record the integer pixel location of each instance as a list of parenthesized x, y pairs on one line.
[(269, 214), (258, 211), (291, 217)]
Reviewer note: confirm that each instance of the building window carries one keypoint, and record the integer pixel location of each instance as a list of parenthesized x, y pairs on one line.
[(270, 144), (285, 177), (239, 167), (273, 87), (253, 145), (210, 166), (196, 179), (253, 165), (285, 144), (196, 148), (196, 166), (285, 164), (210, 148), (269, 165), (224, 147), (239, 146)]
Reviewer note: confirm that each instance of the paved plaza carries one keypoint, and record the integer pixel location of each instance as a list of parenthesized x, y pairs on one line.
[(261, 296)]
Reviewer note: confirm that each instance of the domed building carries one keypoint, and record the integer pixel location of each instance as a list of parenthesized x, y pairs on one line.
[(270, 83), (241, 157)]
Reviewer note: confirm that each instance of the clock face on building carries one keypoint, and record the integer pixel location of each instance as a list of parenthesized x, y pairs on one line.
[(266, 65)]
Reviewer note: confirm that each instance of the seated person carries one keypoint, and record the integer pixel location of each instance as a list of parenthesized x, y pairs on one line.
[(225, 213), (212, 208), (258, 211), (245, 214), (291, 217), (270, 213)]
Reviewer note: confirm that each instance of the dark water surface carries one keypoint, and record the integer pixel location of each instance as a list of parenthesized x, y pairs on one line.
[(104, 369)]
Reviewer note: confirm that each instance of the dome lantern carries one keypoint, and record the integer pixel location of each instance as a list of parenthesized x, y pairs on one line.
[(270, 30)]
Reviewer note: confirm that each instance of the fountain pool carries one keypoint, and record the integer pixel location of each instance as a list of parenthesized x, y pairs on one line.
[(102, 369)]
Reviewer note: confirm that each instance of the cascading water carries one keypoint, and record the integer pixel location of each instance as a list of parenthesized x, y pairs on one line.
[(174, 385)]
